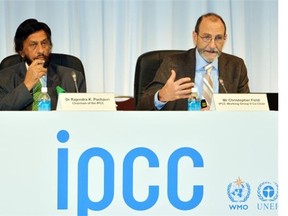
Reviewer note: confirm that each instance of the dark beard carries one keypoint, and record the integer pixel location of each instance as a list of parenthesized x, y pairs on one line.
[(27, 60), (47, 61)]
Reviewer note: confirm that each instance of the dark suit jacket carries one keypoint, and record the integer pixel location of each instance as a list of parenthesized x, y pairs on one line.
[(231, 69), (15, 96)]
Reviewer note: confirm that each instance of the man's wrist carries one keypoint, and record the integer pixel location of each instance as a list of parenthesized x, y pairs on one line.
[(158, 104), (160, 97)]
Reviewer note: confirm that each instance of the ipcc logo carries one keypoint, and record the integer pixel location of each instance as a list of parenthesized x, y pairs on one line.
[(85, 203)]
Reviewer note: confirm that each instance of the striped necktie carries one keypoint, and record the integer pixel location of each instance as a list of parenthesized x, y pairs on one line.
[(36, 95), (208, 84)]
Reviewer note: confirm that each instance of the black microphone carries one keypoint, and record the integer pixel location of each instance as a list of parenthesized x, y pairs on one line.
[(74, 77), (222, 84)]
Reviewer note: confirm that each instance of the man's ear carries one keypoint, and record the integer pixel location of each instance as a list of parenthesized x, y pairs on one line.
[(194, 36), (21, 53)]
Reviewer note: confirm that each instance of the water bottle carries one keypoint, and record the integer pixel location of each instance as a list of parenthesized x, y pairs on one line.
[(44, 101), (194, 102)]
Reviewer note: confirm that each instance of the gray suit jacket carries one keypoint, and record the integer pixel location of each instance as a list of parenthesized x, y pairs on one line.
[(232, 71), (15, 96)]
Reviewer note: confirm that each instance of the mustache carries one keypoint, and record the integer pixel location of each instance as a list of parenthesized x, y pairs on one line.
[(41, 56), (46, 59), (213, 51)]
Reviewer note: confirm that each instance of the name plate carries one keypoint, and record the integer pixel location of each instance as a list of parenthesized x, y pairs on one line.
[(86, 102), (241, 102)]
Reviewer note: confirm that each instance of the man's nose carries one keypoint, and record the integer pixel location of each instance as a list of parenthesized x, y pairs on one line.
[(212, 43), (40, 48)]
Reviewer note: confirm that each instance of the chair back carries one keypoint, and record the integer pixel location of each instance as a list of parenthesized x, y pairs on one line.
[(146, 67), (57, 58)]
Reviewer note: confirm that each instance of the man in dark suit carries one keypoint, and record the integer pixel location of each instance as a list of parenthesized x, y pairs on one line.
[(33, 43), (178, 73)]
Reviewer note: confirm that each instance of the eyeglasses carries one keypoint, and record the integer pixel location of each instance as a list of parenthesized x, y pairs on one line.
[(217, 38), (44, 44)]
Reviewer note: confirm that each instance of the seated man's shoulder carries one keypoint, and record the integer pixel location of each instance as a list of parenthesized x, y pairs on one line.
[(12, 70), (230, 57), (63, 70)]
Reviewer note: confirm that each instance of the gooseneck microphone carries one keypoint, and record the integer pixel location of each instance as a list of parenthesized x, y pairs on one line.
[(222, 84), (74, 77)]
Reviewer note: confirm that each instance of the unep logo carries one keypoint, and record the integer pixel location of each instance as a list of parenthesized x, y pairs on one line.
[(268, 191), (84, 201)]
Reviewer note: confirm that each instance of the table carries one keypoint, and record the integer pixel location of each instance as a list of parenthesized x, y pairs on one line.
[(139, 163)]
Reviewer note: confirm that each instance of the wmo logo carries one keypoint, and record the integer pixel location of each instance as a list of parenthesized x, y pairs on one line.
[(268, 193), (238, 192)]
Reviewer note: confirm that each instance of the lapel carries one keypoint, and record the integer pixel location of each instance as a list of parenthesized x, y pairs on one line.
[(225, 73), (190, 64), (22, 71), (53, 81), (52, 76)]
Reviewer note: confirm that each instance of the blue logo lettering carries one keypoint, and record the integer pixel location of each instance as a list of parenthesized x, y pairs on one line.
[(173, 179), (62, 180), (84, 202), (128, 179)]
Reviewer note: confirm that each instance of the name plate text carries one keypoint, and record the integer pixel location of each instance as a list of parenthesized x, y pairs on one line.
[(241, 102), (86, 102)]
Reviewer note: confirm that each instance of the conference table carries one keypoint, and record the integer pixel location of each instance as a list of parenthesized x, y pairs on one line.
[(139, 163)]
